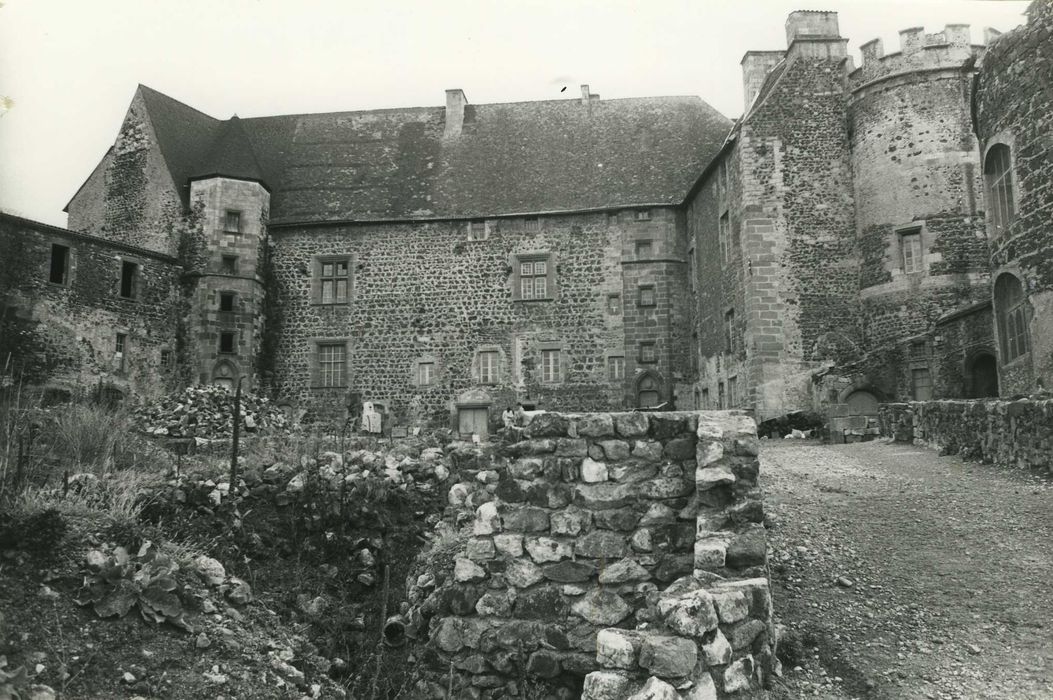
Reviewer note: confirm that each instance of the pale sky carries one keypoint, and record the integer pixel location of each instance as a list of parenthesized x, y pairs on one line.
[(71, 66)]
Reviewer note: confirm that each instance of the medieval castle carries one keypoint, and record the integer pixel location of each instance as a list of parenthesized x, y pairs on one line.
[(860, 234)]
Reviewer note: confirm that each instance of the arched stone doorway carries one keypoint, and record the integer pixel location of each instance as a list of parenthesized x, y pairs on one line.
[(982, 374), (224, 373), (862, 403), (648, 390)]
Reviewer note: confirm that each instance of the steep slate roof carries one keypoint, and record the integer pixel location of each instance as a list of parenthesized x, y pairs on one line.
[(184, 134), (230, 155), (511, 158)]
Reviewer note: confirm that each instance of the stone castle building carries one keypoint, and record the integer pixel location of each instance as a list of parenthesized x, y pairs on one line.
[(860, 234)]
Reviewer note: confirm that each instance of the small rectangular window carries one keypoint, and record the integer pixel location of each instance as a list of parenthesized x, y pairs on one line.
[(646, 295), (705, 398), (232, 221), (488, 362), (720, 396), (533, 279), (425, 373), (550, 366), (643, 249), (226, 301), (729, 331), (615, 368), (733, 394), (229, 265), (922, 383), (643, 214), (725, 238), (332, 364), (59, 264), (335, 280), (166, 359), (614, 304), (910, 245), (648, 352), (129, 273), (226, 341), (477, 230), (120, 350), (532, 224)]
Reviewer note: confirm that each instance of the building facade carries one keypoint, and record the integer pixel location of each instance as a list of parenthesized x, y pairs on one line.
[(838, 245)]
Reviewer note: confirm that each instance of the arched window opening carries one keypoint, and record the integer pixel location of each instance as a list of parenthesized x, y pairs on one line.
[(999, 177), (648, 391), (1011, 315), (983, 376)]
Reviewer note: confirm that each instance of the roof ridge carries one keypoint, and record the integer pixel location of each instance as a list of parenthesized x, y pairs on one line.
[(178, 102), (568, 101)]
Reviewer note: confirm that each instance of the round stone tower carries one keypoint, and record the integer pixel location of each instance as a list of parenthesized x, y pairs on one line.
[(918, 193)]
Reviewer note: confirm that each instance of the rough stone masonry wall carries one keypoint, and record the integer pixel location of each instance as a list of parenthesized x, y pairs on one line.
[(64, 335), (425, 292), (621, 553), (1015, 434), (1014, 106)]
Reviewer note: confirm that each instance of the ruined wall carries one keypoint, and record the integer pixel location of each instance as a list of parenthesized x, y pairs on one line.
[(608, 550), (64, 334), (1013, 434), (130, 196), (426, 291), (917, 171), (1014, 106)]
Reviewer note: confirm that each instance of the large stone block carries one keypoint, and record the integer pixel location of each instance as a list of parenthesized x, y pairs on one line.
[(617, 648), (602, 607), (606, 685), (572, 521), (601, 544), (668, 657), (546, 549), (631, 425), (547, 425), (595, 425)]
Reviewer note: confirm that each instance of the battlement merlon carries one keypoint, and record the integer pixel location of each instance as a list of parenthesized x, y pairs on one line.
[(920, 52)]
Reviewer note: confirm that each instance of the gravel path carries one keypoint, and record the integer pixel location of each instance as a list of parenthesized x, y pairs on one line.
[(902, 574)]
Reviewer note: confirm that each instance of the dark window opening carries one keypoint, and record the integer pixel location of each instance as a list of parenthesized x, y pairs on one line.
[(1011, 313), (910, 245), (129, 272), (646, 295), (232, 221), (230, 264), (226, 301), (643, 249), (226, 342), (648, 352), (614, 303), (477, 230), (166, 359), (59, 264)]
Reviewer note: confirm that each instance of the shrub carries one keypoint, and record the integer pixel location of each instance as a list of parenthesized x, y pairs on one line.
[(116, 582)]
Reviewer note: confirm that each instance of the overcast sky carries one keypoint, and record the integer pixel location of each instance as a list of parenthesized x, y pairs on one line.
[(70, 67)]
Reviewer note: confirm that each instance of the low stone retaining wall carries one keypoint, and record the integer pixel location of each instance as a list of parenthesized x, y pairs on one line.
[(616, 555), (1017, 434)]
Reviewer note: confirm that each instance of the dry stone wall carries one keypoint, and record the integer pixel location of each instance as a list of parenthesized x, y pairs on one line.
[(1016, 434), (610, 555)]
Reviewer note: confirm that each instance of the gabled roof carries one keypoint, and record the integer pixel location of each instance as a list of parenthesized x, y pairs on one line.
[(513, 158)]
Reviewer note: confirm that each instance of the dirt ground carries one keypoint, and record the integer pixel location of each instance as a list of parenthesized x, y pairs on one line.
[(903, 574)]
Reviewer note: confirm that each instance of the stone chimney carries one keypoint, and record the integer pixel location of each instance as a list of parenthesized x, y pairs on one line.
[(455, 102), (755, 68), (814, 34), (584, 94)]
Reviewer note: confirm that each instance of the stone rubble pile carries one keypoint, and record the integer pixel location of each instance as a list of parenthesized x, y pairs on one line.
[(207, 412), (626, 551)]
